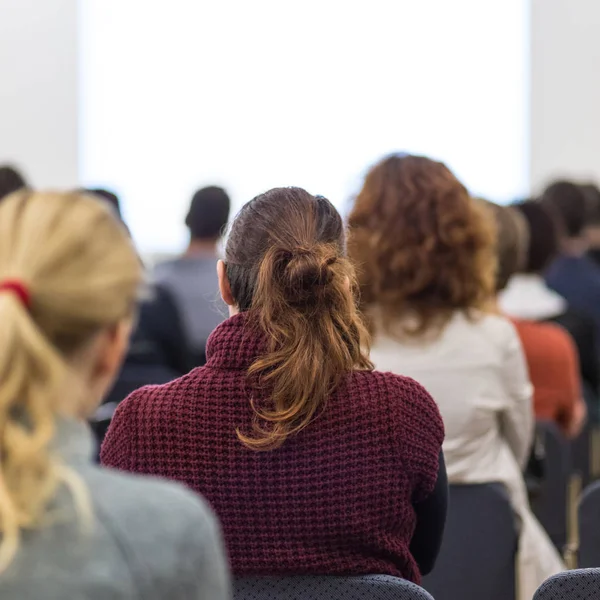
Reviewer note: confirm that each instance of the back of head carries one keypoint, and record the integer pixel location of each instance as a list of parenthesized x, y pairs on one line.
[(542, 230), (511, 242), (67, 271), (107, 196), (10, 181), (285, 260), (592, 194), (208, 214), (568, 202), (421, 244)]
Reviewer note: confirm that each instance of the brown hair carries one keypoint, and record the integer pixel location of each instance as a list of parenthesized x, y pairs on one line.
[(421, 245), (286, 263), (511, 243)]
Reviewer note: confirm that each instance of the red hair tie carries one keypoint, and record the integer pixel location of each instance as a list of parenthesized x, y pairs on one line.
[(19, 289)]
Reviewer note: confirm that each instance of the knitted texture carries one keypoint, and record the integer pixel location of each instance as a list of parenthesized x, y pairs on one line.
[(335, 499)]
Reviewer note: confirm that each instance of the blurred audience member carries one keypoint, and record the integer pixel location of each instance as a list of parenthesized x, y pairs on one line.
[(67, 306), (192, 278), (550, 352), (528, 297), (574, 275), (10, 180), (427, 261), (109, 197), (592, 230), (286, 430)]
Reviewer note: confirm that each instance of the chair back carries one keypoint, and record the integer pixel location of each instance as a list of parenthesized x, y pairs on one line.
[(589, 527), (373, 587), (477, 558), (580, 584), (550, 505)]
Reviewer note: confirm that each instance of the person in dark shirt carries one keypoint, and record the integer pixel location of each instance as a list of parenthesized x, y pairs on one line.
[(573, 274), (527, 296)]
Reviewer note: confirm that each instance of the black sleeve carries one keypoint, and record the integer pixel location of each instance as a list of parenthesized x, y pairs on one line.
[(431, 520), (167, 329)]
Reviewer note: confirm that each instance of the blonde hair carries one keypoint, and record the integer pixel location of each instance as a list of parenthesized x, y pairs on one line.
[(82, 273)]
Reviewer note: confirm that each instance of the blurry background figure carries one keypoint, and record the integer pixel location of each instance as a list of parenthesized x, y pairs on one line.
[(427, 262), (527, 297), (109, 196), (592, 230), (549, 350), (192, 278), (158, 351), (10, 180), (574, 275)]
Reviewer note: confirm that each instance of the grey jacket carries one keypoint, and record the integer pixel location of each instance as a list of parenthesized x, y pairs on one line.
[(151, 540)]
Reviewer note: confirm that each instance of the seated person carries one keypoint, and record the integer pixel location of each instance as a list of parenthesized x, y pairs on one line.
[(10, 181), (573, 274), (314, 463), (592, 228), (549, 350), (192, 278), (527, 297), (427, 273), (69, 529)]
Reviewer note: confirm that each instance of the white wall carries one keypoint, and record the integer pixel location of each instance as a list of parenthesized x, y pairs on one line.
[(39, 89), (253, 95), (565, 90)]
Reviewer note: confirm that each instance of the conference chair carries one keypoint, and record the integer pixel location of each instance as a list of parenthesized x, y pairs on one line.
[(580, 584), (550, 505), (589, 527), (371, 587), (477, 558)]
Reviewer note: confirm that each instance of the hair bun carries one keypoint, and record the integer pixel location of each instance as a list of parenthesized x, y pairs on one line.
[(307, 273)]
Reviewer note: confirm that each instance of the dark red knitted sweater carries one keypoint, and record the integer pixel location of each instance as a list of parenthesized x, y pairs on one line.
[(335, 499)]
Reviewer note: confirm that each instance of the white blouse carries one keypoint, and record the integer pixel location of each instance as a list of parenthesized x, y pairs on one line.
[(476, 372)]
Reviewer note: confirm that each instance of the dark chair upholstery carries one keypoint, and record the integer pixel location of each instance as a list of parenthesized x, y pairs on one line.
[(550, 506), (589, 527), (477, 558), (368, 587), (580, 584)]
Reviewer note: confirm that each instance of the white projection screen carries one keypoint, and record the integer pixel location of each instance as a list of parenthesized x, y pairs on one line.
[(254, 94)]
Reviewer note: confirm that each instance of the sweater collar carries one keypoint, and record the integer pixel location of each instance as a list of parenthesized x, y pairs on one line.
[(235, 343)]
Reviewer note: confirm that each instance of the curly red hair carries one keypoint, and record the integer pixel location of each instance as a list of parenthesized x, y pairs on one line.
[(421, 244)]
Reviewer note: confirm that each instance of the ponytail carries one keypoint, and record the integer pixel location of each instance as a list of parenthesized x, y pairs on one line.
[(83, 278), (31, 373), (303, 303)]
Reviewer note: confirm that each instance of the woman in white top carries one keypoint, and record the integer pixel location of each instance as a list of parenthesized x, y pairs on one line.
[(426, 256), (69, 278)]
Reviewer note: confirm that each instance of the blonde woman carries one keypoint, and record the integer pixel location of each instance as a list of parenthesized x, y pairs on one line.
[(427, 260), (68, 283)]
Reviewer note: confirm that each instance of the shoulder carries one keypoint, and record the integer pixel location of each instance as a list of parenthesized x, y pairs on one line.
[(147, 510), (150, 398), (543, 333), (404, 398), (497, 330)]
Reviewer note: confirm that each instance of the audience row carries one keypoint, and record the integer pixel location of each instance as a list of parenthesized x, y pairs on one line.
[(314, 418)]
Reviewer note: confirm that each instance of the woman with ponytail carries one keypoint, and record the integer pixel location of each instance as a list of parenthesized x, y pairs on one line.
[(314, 462), (69, 278)]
